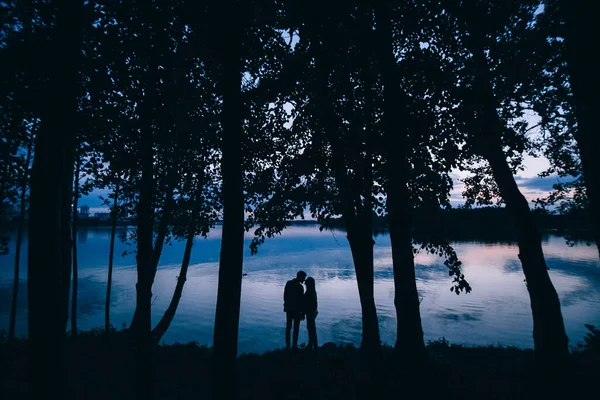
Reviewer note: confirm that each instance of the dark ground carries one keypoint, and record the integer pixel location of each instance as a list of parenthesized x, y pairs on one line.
[(104, 369)]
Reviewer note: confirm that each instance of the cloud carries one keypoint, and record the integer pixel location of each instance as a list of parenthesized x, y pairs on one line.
[(537, 184)]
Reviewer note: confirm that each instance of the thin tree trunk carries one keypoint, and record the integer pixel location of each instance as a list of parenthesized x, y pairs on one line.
[(232, 243), (163, 228), (145, 219), (409, 335), (169, 314), (22, 210), (74, 241), (48, 273), (111, 256), (164, 323), (585, 84)]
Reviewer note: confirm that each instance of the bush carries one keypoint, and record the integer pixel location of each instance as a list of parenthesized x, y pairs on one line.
[(591, 341)]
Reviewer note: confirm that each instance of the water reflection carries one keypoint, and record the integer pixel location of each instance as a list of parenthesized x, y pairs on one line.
[(496, 312)]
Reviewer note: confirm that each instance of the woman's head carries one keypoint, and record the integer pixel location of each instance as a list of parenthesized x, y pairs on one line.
[(310, 283)]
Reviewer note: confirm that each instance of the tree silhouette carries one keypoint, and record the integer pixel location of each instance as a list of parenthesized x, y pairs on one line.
[(50, 201), (564, 99), (491, 97)]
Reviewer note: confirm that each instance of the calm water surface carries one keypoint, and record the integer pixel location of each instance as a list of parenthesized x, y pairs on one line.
[(496, 312)]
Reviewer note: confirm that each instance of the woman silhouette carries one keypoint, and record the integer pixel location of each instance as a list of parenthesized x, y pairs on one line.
[(310, 310)]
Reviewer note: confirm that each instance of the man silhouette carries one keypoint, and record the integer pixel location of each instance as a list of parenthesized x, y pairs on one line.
[(292, 306)]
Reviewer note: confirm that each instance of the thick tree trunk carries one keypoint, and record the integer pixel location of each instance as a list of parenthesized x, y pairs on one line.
[(361, 245), (550, 339), (19, 240), (585, 84), (232, 244), (111, 256), (48, 274), (409, 336), (47, 269), (357, 219), (74, 241), (549, 336), (360, 237)]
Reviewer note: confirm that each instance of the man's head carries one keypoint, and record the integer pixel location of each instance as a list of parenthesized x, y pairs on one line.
[(301, 276)]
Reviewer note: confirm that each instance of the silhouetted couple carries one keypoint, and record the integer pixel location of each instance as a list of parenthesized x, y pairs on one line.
[(299, 305)]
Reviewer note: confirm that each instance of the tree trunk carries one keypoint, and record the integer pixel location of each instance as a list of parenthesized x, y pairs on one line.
[(22, 210), (145, 219), (232, 243), (585, 84), (357, 220), (360, 237), (74, 241), (409, 333), (163, 230), (409, 336), (549, 336), (550, 339), (111, 256), (3, 185), (48, 274), (361, 245), (169, 314)]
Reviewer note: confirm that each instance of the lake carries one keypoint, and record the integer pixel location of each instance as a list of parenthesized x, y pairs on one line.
[(496, 311)]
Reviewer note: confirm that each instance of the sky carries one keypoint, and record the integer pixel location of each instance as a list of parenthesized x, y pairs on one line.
[(531, 186)]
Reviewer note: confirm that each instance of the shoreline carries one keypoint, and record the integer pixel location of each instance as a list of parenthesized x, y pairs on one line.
[(101, 367)]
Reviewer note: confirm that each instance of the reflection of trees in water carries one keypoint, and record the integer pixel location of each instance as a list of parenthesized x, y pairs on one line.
[(82, 235), (91, 296), (6, 295)]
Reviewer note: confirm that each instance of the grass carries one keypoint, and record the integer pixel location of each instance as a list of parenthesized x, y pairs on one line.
[(104, 368)]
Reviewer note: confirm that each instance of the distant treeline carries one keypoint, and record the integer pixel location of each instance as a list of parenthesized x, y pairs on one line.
[(85, 222), (457, 224), (488, 224), (104, 222)]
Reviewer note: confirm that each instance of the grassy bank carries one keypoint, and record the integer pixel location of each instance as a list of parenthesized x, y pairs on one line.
[(101, 368)]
